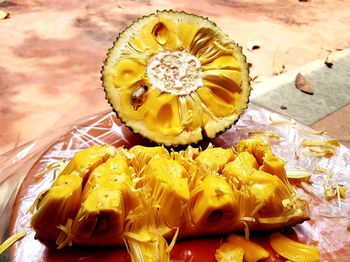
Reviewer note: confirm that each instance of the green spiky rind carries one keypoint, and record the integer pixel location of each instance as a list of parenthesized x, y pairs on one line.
[(173, 140)]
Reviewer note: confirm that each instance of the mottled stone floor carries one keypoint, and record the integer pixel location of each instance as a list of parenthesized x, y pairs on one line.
[(331, 90), (327, 109), (52, 51)]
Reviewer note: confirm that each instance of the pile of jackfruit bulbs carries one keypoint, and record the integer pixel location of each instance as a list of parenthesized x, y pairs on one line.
[(107, 195)]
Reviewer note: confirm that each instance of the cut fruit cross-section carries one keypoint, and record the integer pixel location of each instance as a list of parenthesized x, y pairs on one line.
[(176, 78)]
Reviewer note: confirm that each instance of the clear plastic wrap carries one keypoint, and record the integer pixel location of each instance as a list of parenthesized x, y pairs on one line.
[(328, 228)]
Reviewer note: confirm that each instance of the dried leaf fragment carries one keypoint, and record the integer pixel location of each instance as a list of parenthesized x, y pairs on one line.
[(254, 44), (329, 60), (283, 107), (3, 14), (303, 85), (259, 79)]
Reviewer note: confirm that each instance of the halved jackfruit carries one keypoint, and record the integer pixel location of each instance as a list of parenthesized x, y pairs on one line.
[(175, 77)]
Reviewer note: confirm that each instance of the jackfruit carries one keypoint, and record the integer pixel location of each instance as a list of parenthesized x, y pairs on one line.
[(174, 77)]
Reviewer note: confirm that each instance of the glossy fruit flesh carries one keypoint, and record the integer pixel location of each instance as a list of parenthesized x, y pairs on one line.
[(174, 77)]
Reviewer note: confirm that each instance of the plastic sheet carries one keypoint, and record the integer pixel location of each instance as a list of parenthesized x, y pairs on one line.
[(328, 228)]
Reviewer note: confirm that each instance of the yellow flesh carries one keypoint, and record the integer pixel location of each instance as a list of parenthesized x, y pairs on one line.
[(170, 118), (11, 240), (63, 198), (292, 250), (215, 158), (252, 251), (243, 165), (215, 202), (144, 194), (229, 253)]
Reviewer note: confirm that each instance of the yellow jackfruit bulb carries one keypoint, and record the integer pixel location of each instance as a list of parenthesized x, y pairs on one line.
[(229, 253), (141, 155), (107, 199), (275, 166), (243, 166), (256, 146), (213, 203), (167, 172), (269, 191), (88, 159), (167, 182), (176, 78), (56, 205), (252, 251), (100, 219), (144, 195), (292, 250), (215, 158), (114, 174), (186, 158)]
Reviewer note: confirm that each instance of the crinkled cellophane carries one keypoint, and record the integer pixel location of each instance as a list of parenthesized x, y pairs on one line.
[(327, 228)]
